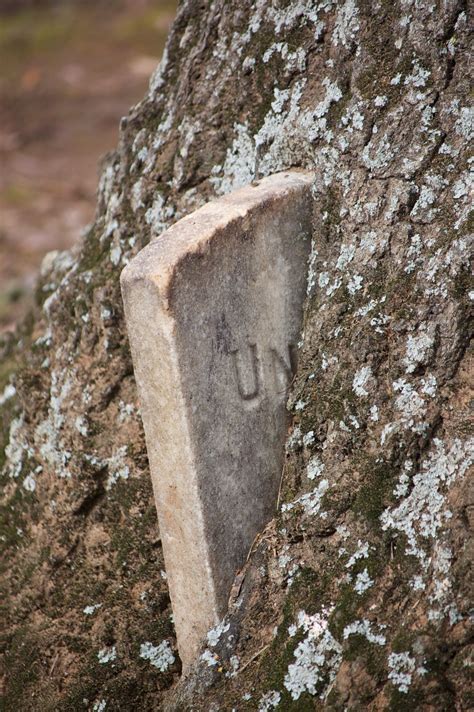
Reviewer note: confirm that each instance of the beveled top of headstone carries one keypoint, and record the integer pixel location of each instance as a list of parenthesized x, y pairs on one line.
[(193, 234), (213, 309)]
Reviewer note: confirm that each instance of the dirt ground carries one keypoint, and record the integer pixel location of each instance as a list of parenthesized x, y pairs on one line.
[(67, 76)]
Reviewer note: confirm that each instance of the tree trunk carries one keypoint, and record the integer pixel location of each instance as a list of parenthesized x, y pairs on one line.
[(356, 595)]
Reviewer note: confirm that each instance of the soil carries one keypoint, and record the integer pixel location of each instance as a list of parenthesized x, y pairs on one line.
[(68, 75)]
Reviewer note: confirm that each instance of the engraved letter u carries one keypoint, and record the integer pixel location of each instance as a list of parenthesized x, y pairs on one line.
[(247, 373)]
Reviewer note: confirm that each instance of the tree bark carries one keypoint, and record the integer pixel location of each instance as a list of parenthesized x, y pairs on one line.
[(356, 595)]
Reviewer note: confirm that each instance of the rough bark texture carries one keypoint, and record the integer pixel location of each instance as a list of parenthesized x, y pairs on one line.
[(356, 595)]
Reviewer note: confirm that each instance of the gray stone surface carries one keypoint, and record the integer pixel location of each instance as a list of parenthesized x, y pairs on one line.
[(213, 309)]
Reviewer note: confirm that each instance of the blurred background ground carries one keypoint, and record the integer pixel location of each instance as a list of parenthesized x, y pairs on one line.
[(68, 72)]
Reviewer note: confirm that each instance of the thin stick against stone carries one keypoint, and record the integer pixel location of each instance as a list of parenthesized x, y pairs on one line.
[(279, 488), (254, 656)]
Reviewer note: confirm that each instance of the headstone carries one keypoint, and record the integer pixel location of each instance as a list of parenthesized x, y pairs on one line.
[(214, 309)]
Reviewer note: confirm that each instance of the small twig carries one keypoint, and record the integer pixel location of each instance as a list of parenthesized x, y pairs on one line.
[(279, 488), (257, 538), (53, 664), (259, 652)]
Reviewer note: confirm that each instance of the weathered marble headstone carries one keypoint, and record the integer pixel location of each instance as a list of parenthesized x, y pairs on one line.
[(214, 309)]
